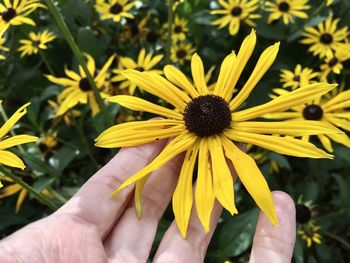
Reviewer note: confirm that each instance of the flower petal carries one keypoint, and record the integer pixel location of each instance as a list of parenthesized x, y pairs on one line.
[(10, 159), (198, 75), (16, 140), (13, 119)]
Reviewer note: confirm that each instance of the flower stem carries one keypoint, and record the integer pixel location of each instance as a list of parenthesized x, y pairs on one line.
[(339, 239), (170, 29), (76, 51), (41, 198), (46, 62)]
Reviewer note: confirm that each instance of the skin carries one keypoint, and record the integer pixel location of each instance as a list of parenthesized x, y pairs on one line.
[(92, 227)]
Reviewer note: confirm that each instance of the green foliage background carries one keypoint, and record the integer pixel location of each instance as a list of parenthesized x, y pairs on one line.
[(324, 182)]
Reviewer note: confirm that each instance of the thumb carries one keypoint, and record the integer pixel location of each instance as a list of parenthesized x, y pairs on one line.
[(275, 243)]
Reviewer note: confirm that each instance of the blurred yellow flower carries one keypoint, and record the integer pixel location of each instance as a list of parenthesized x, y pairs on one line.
[(310, 233), (180, 52), (326, 38), (299, 78), (333, 62), (114, 9), (77, 87), (35, 42), (287, 10), (235, 11), (205, 125), (7, 157), (3, 48), (179, 29), (145, 62), (14, 13), (66, 117)]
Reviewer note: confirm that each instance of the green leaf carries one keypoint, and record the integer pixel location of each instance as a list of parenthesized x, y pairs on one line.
[(344, 186), (63, 158), (298, 254)]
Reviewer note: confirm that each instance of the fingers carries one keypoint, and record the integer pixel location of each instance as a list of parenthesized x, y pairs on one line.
[(93, 202), (275, 243), (133, 237)]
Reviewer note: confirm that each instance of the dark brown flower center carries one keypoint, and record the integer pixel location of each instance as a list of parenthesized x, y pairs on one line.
[(283, 7), (236, 11), (141, 69), (8, 14), (326, 38), (303, 213), (152, 37), (116, 9), (181, 53), (207, 115), (178, 29), (332, 62), (312, 112), (134, 29), (296, 78), (84, 84)]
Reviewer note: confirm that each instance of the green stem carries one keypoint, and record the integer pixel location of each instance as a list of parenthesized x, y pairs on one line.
[(339, 239), (41, 198), (170, 29), (46, 62), (58, 196), (76, 51)]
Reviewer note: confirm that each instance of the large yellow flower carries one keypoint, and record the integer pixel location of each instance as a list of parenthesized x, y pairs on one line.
[(235, 11), (35, 42), (77, 87), (330, 109), (145, 62), (15, 12), (326, 38), (287, 10), (205, 124), (6, 157), (299, 78), (114, 9), (3, 48)]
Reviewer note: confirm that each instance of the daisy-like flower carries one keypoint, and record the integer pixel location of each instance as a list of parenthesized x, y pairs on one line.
[(35, 42), (205, 125), (325, 38), (235, 11), (135, 30), (287, 10), (7, 157), (3, 48), (330, 109), (180, 52), (179, 29), (48, 143), (310, 233), (114, 9), (66, 117), (299, 78), (334, 62), (15, 12), (77, 87), (145, 62)]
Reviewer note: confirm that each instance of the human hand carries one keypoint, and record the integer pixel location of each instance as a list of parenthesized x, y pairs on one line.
[(93, 227)]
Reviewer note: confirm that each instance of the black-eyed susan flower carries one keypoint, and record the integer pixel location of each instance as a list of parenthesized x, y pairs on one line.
[(77, 87), (179, 29), (3, 48), (6, 157), (205, 125), (114, 9), (135, 30), (35, 42), (330, 109), (48, 142), (334, 62), (15, 12), (299, 78), (235, 11), (180, 52), (326, 38), (287, 10), (145, 62), (310, 233)]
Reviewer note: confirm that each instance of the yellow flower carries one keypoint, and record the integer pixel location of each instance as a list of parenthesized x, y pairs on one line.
[(330, 109), (7, 157), (310, 233), (333, 62), (145, 62), (326, 38), (135, 31), (13, 188), (77, 87), (114, 9), (329, 2), (180, 52), (205, 125), (287, 10), (15, 12), (299, 78), (179, 29), (235, 11), (3, 48), (48, 142), (66, 117), (35, 42)]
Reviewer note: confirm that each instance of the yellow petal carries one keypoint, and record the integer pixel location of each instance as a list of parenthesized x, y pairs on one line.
[(326, 142), (225, 73), (178, 145), (22, 195), (9, 190), (16, 140), (138, 104), (13, 119), (10, 159), (183, 195), (138, 195), (198, 75), (282, 145), (252, 179)]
